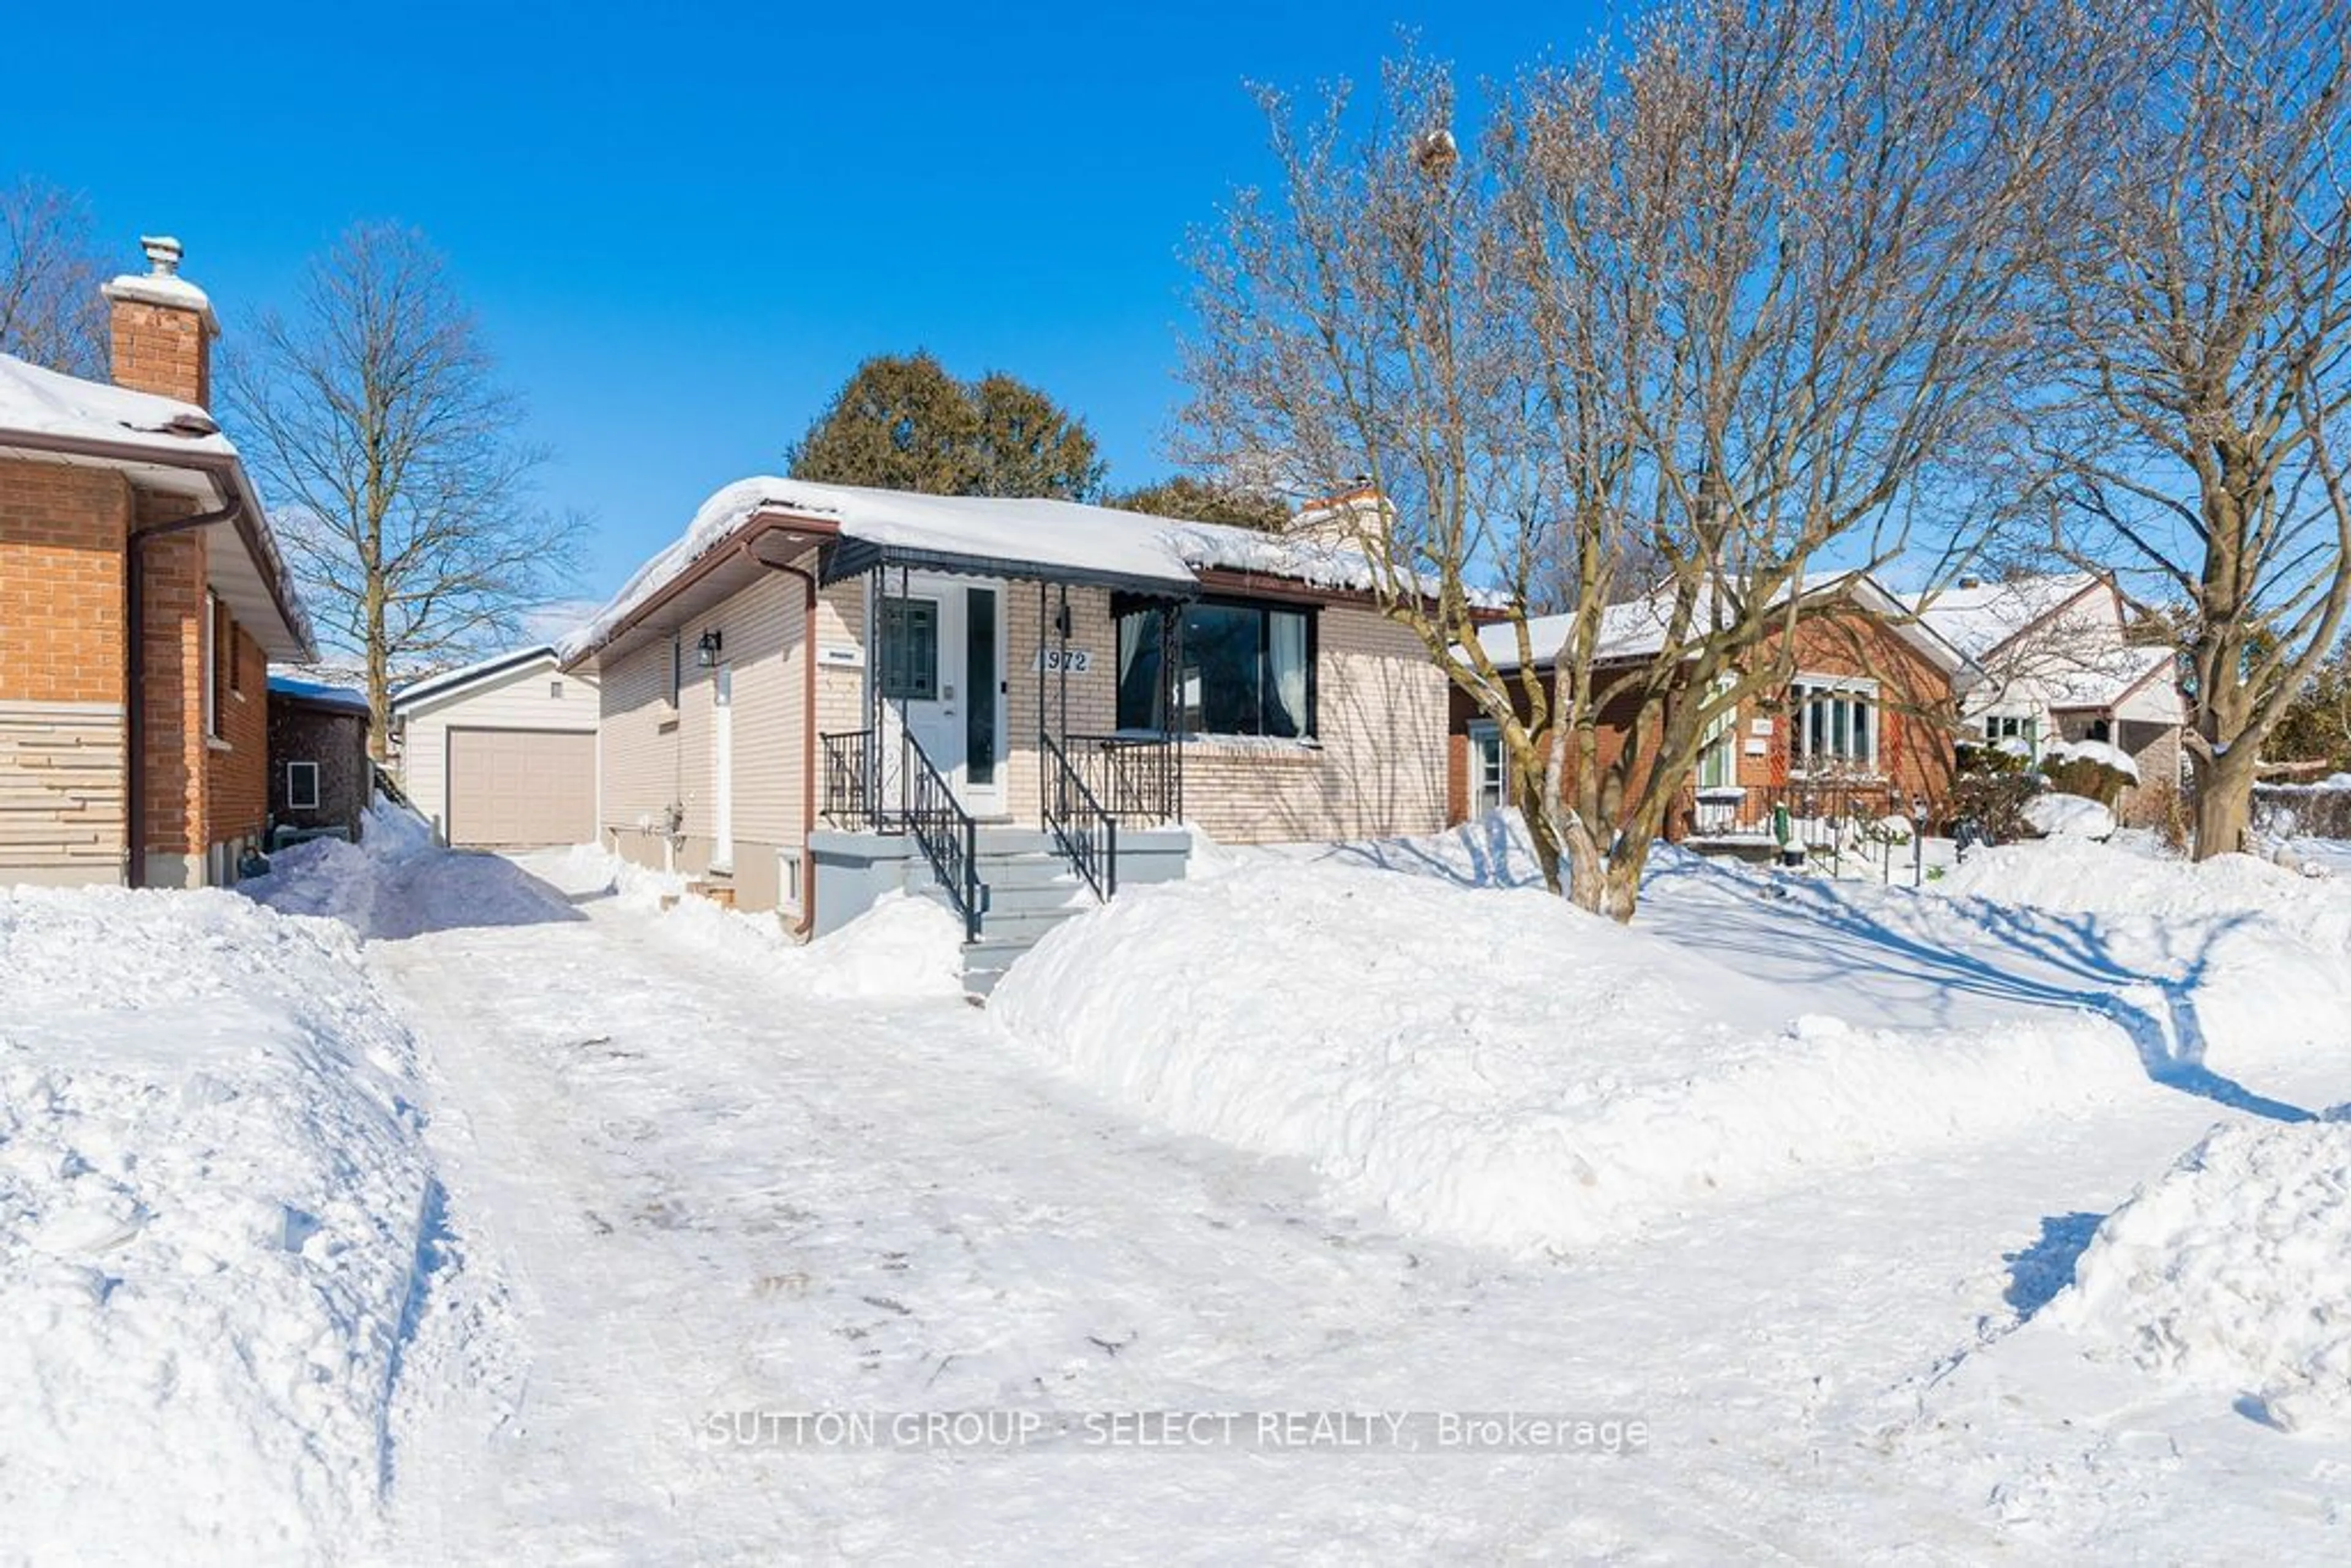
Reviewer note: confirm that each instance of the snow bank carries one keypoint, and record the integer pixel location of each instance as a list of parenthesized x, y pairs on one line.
[(902, 947), (333, 880), (2097, 751), (212, 1190), (2058, 815), (1497, 1066), (2234, 1270)]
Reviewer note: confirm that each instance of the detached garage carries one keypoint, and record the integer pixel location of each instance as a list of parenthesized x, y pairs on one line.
[(501, 755)]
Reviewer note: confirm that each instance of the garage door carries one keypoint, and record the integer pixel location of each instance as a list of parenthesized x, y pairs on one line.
[(512, 787)]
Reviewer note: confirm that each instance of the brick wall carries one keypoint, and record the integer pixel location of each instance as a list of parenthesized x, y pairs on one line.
[(61, 604), (163, 350), (172, 575), (236, 788)]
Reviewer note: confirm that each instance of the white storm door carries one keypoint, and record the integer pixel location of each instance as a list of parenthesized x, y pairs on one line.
[(722, 769)]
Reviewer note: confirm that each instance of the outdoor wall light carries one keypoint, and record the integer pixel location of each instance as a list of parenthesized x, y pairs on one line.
[(707, 650)]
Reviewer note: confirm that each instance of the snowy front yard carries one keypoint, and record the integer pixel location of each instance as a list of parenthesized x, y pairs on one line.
[(476, 1211)]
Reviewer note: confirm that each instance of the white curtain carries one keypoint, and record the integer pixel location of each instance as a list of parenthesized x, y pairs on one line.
[(1288, 645)]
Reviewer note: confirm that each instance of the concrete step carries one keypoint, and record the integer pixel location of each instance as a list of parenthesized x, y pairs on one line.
[(1011, 926)]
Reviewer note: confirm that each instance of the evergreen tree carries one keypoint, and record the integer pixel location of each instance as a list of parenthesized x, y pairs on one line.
[(1206, 501), (902, 422)]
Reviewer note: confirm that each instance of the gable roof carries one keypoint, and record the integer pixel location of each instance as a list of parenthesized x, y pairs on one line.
[(481, 672), (167, 446), (1982, 618), (1637, 629), (1027, 536)]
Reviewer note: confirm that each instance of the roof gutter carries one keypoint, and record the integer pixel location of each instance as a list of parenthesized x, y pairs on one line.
[(720, 553), (242, 508)]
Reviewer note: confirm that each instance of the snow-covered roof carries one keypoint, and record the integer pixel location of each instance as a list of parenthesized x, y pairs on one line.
[(449, 681), (316, 691), (2102, 677), (1007, 534), (1638, 629), (46, 404), (1977, 617)]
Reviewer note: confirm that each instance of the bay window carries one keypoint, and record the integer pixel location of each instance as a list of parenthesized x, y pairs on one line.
[(1835, 723), (1245, 669)]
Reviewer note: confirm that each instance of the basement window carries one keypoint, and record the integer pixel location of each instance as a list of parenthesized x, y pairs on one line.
[(301, 786)]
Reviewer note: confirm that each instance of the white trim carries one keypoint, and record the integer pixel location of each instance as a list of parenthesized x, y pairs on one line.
[(293, 801)]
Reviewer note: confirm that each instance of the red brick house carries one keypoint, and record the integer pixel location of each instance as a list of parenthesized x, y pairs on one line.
[(142, 597), (1864, 730)]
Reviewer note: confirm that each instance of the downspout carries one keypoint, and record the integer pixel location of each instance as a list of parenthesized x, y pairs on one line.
[(807, 734), (134, 706)]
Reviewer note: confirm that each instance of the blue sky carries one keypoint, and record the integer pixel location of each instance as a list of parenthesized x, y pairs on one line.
[(683, 225)]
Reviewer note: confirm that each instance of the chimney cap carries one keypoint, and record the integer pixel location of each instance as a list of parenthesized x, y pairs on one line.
[(161, 284)]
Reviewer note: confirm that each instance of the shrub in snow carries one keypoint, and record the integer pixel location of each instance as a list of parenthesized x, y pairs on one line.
[(2087, 755), (2057, 815), (2234, 1270), (210, 1191), (1990, 792)]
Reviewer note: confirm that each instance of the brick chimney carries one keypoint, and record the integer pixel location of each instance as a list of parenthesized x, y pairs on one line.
[(163, 326)]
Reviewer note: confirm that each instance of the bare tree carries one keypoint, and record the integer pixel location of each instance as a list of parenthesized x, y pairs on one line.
[(2200, 274), (404, 490), (50, 312), (1708, 310)]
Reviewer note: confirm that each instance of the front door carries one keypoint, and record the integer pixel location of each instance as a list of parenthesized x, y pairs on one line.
[(722, 769), (942, 661)]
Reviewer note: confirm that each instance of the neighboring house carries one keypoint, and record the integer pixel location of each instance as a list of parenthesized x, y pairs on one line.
[(501, 754), (142, 597), (1863, 731), (319, 776), (819, 680), (2058, 665)]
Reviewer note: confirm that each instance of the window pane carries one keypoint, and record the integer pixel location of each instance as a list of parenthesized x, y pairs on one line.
[(1861, 722), (1285, 707), (1223, 686), (910, 649), (980, 683), (1142, 689)]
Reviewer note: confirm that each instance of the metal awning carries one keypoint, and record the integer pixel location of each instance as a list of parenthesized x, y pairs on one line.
[(847, 557)]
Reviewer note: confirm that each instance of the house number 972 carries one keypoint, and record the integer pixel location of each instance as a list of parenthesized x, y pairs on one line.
[(1077, 661)]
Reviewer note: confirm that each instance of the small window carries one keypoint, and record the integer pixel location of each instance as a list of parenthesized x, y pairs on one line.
[(227, 638), (2023, 728), (1486, 790), (790, 896), (301, 786), (555, 688), (208, 653)]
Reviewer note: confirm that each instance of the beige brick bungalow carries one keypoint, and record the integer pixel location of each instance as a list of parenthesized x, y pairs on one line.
[(141, 597), (817, 682)]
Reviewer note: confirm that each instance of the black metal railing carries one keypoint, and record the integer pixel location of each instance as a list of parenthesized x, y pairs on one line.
[(851, 794), (947, 833), (1134, 777), (1086, 830), (923, 808)]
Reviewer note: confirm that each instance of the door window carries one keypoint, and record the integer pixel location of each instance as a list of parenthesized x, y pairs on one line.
[(980, 682), (910, 649)]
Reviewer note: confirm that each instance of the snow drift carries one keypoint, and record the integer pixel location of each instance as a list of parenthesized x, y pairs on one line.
[(1497, 1066), (2234, 1270), (212, 1190)]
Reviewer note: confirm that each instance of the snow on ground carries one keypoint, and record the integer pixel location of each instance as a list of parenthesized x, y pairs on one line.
[(697, 1177), (2233, 1269), (213, 1195), (2059, 816)]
